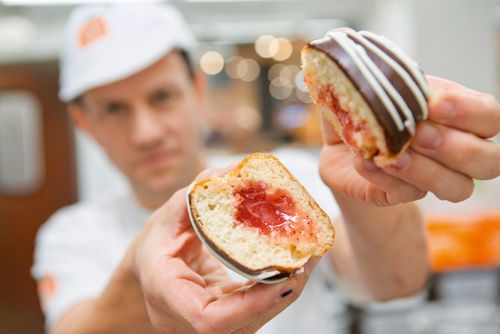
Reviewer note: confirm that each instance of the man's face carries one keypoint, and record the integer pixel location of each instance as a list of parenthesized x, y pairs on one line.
[(149, 124)]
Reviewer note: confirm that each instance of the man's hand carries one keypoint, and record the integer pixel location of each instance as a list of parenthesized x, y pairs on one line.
[(187, 291), (448, 151), (381, 246)]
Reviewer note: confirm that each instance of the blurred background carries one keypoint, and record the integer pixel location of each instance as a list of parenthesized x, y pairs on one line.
[(249, 51)]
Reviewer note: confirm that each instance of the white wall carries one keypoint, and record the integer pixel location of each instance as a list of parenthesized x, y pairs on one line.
[(455, 39), (394, 19)]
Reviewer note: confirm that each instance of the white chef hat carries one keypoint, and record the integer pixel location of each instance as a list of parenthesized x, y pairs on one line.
[(104, 44)]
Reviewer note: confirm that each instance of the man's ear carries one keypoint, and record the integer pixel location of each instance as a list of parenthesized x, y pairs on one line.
[(80, 118), (200, 85)]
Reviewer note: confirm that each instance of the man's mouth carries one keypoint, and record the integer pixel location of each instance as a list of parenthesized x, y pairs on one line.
[(156, 159)]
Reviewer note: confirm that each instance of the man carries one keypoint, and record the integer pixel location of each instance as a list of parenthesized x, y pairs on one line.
[(127, 77)]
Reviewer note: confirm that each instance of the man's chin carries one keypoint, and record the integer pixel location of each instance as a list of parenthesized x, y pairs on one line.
[(160, 184)]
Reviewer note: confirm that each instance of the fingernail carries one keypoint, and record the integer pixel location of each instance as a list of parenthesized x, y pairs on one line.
[(286, 293), (369, 165), (403, 162), (428, 136), (286, 289)]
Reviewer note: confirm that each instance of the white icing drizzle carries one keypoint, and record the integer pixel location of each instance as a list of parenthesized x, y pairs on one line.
[(350, 48), (410, 122), (354, 44), (405, 59)]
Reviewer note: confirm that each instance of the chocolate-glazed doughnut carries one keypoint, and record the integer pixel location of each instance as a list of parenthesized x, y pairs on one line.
[(373, 94)]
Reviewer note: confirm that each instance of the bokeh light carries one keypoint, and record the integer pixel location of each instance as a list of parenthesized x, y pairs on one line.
[(265, 46), (232, 67), (245, 69), (247, 118), (248, 69), (283, 48), (274, 71), (303, 96), (212, 62), (280, 92), (299, 81)]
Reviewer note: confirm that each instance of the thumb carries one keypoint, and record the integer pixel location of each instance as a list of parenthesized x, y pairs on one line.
[(255, 306), (215, 172), (173, 214), (330, 136), (286, 298)]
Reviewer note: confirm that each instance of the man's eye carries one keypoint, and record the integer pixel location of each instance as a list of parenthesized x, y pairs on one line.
[(162, 96), (114, 108)]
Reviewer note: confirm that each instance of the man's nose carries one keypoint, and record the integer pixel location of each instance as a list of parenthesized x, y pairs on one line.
[(146, 128)]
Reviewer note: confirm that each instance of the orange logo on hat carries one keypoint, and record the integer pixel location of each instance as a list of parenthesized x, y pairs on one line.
[(46, 289), (91, 31)]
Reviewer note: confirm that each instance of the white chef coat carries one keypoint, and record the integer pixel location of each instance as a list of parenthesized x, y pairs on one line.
[(80, 246)]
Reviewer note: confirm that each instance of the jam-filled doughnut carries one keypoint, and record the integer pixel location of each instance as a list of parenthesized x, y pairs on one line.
[(259, 220)]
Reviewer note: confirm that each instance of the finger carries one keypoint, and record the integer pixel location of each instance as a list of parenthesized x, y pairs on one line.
[(230, 286), (210, 269), (256, 305), (429, 175), (173, 213), (385, 189), (368, 184), (260, 321), (463, 108), (174, 203), (336, 171), (330, 136), (458, 150), (225, 287), (181, 293), (214, 172)]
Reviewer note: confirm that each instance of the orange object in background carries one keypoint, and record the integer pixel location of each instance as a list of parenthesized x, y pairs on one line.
[(461, 242)]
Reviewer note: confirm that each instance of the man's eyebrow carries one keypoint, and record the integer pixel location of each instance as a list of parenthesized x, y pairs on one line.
[(107, 101), (164, 85)]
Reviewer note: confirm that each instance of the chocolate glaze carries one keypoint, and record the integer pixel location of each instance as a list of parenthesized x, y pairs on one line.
[(395, 138), (392, 55), (396, 80)]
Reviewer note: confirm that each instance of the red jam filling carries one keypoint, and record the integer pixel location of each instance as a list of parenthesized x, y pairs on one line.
[(272, 212), (327, 98)]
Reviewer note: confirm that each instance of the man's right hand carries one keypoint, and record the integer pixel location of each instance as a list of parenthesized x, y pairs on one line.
[(186, 290)]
